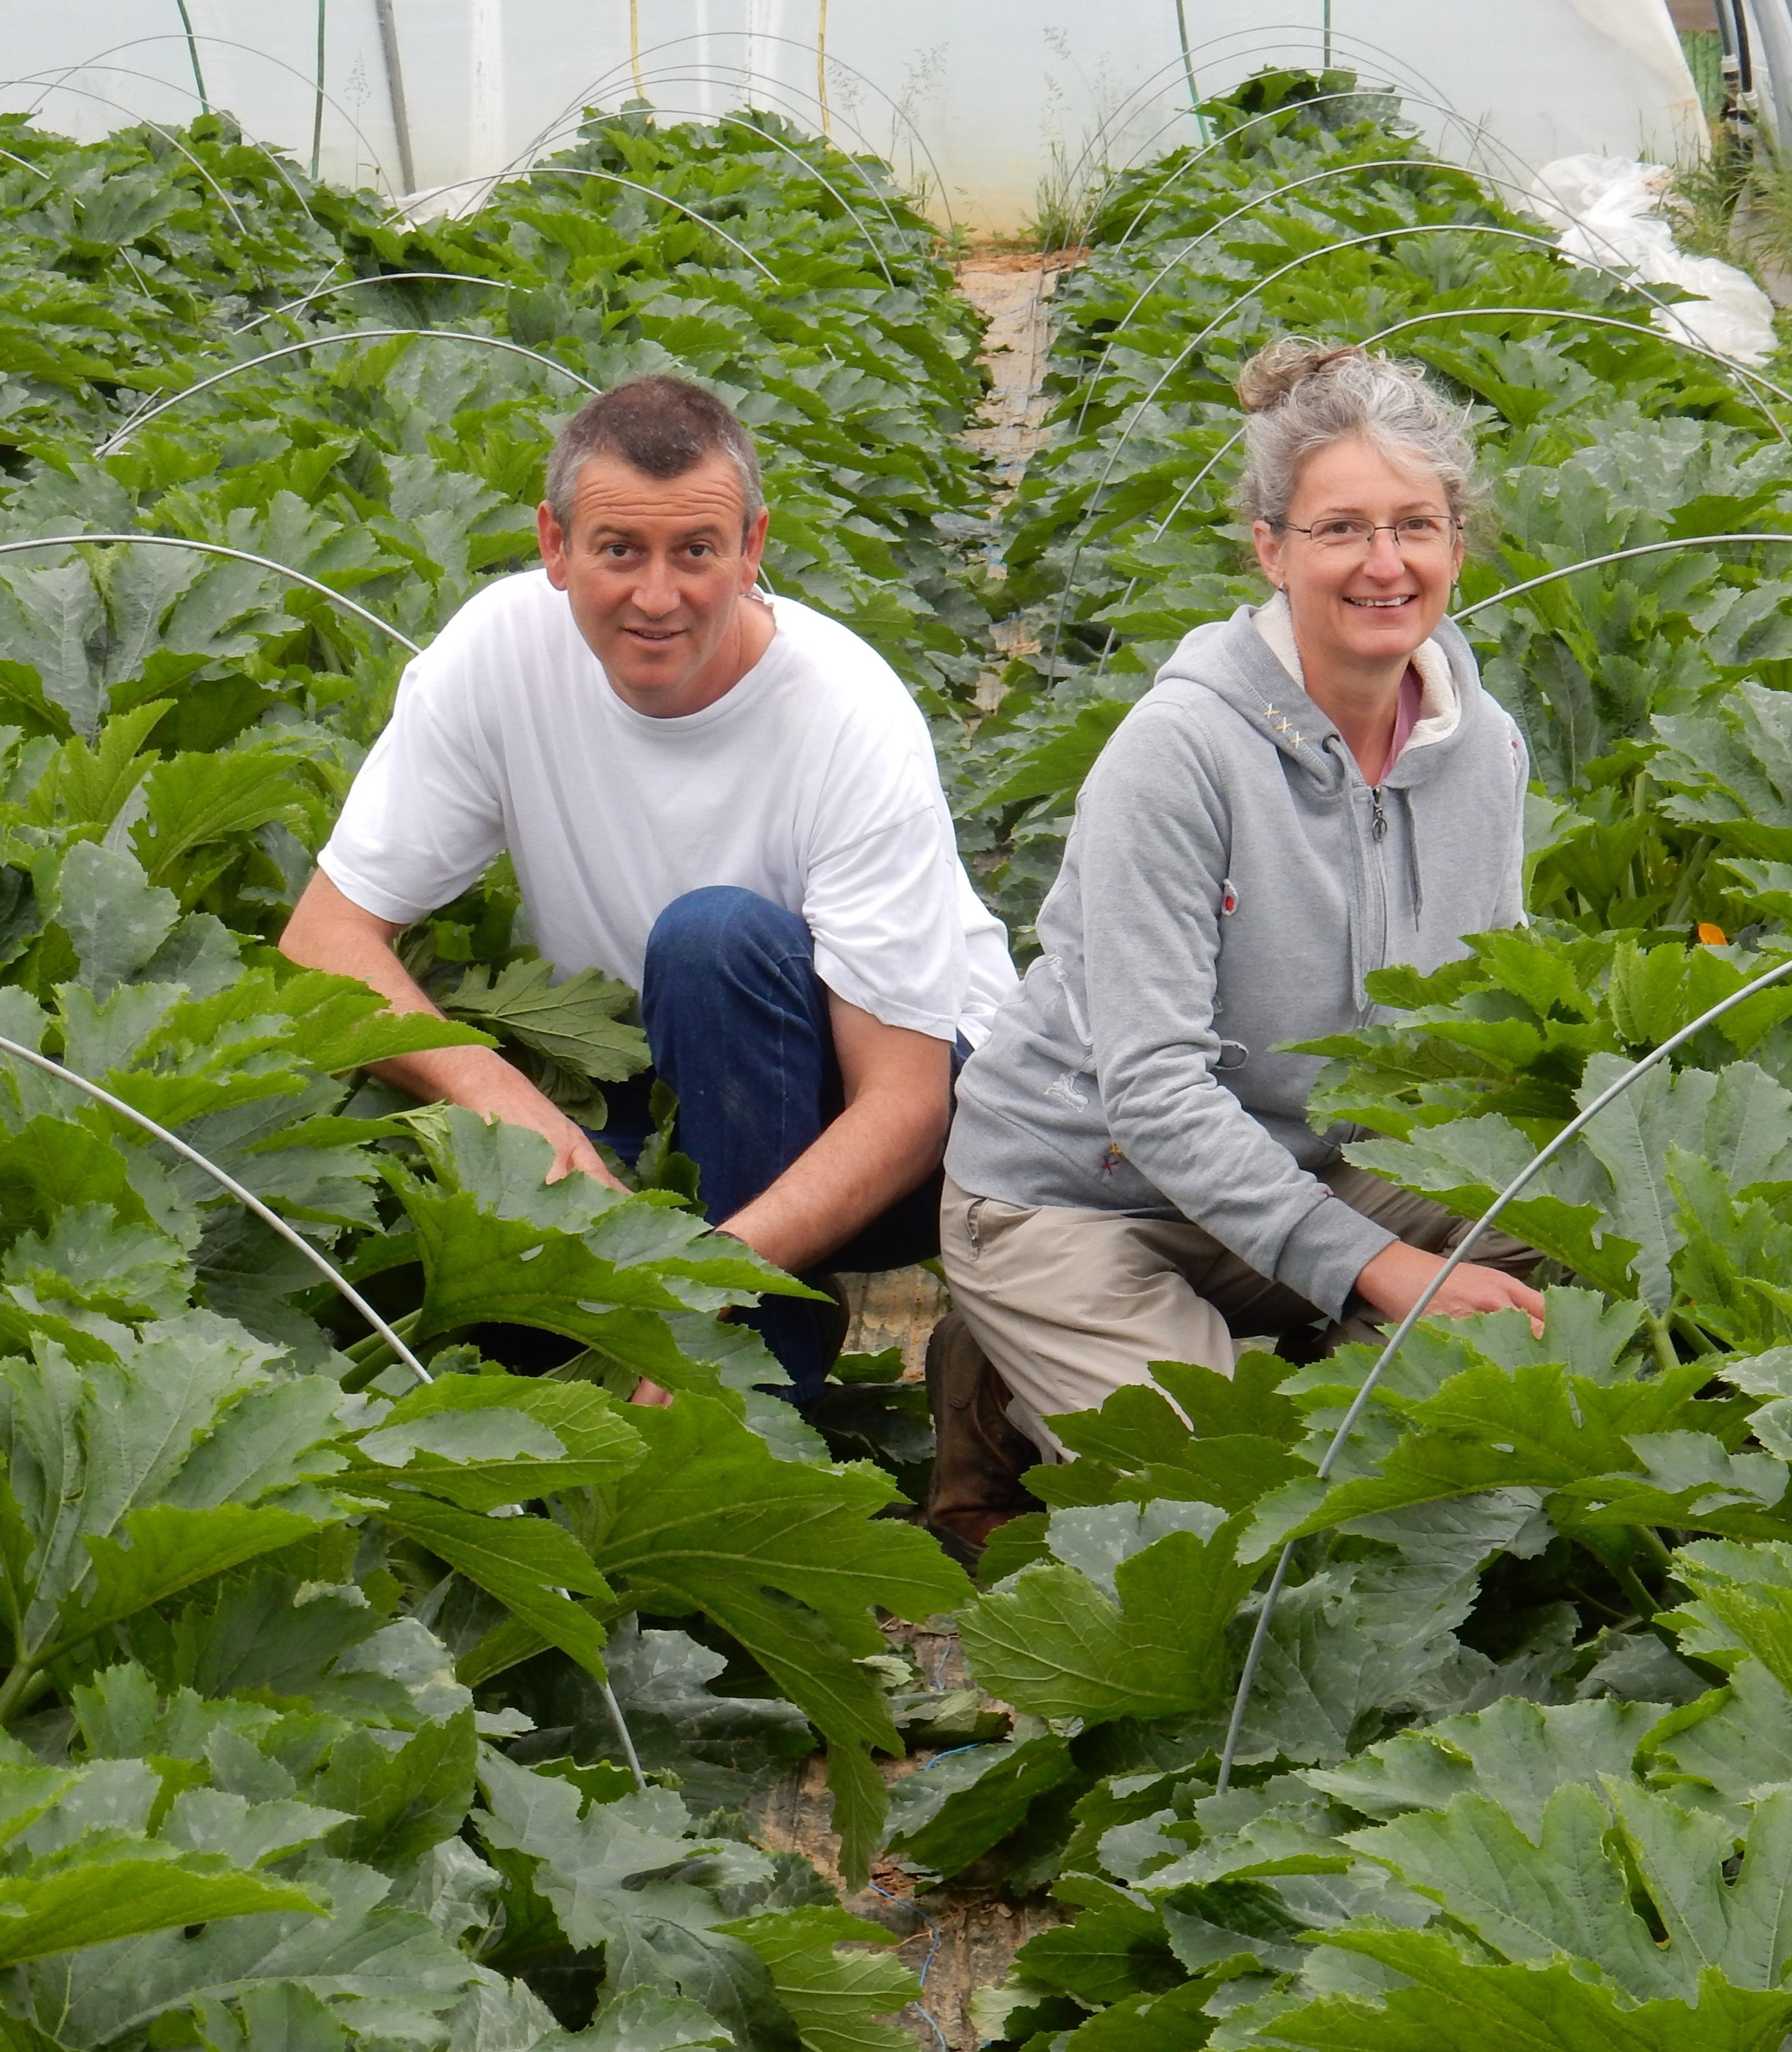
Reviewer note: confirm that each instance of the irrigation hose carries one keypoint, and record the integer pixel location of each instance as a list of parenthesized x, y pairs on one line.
[(1569, 1132)]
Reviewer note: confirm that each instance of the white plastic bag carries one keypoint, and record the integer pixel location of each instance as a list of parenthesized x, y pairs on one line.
[(1610, 211)]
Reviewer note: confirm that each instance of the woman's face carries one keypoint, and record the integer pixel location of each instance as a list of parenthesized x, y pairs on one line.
[(1357, 606)]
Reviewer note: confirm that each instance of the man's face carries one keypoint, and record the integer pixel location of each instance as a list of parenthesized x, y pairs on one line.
[(658, 571)]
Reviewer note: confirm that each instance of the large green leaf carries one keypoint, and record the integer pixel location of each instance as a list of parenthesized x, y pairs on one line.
[(785, 1556), (384, 1969), (1452, 2005), (1054, 1642), (95, 1902), (617, 1875), (528, 1563), (576, 1022), (833, 1997)]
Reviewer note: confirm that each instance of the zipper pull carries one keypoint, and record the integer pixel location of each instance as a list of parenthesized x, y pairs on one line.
[(1379, 828)]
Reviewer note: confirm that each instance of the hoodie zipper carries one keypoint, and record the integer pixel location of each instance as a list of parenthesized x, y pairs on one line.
[(1376, 952)]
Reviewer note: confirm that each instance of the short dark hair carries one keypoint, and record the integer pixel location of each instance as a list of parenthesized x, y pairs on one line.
[(662, 427)]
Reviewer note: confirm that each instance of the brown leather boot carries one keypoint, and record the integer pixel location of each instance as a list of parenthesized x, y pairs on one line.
[(979, 1457)]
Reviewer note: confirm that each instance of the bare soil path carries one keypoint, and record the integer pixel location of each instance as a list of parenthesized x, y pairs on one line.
[(962, 1936)]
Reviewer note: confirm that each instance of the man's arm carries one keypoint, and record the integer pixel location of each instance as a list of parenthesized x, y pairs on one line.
[(330, 931), (897, 1085), (892, 1132)]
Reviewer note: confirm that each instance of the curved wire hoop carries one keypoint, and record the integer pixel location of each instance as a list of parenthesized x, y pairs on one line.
[(536, 169), (1243, 298), (733, 119), (493, 180), (1481, 136), (1614, 556), (26, 164), (223, 43), (1300, 39), (1626, 278), (380, 278), (149, 78), (119, 436), (898, 112), (566, 135), (219, 549), (141, 121), (1459, 1254), (1591, 319), (320, 1261)]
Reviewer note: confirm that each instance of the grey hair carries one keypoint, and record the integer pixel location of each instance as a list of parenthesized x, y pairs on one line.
[(660, 426), (1299, 398)]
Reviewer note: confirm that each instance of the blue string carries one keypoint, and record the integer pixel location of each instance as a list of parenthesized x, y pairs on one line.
[(975, 1745), (939, 1936)]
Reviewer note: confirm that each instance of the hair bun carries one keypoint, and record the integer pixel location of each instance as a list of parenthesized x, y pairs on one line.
[(1271, 374)]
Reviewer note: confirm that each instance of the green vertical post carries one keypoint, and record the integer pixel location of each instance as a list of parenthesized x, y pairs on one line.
[(193, 51), (1188, 71), (317, 102)]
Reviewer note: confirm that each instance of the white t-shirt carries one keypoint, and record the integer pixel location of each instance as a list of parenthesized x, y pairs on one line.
[(812, 782)]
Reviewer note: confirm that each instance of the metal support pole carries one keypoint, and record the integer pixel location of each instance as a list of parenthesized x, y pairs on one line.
[(192, 52), (317, 102), (395, 91)]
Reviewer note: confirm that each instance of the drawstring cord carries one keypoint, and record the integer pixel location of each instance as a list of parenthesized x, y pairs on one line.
[(1411, 855)]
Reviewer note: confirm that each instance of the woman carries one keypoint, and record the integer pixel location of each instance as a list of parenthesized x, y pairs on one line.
[(1313, 789)]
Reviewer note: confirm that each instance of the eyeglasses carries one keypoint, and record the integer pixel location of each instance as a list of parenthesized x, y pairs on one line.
[(1418, 533)]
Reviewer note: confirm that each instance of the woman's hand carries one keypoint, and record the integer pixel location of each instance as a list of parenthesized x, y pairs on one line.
[(1395, 1280)]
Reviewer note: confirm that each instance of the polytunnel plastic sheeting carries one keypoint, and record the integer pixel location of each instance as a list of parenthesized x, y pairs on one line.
[(982, 99)]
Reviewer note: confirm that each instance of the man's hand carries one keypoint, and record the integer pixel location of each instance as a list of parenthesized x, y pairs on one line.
[(1395, 1280), (329, 931)]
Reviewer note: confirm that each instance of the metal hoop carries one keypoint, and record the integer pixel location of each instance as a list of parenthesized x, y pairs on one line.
[(219, 549), (1571, 1132), (380, 278), (492, 180), (326, 1267), (1189, 348), (120, 436)]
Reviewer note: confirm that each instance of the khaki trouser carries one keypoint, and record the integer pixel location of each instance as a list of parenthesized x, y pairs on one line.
[(1071, 1305)]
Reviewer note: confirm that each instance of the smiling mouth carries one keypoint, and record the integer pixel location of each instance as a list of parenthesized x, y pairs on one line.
[(654, 634), (1384, 604)]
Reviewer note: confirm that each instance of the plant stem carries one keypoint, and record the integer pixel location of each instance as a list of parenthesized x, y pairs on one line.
[(1653, 1547), (1691, 875), (16, 1691), (1631, 1583), (1666, 1359), (372, 1354)]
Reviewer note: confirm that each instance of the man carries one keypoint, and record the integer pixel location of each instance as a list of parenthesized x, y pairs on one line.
[(729, 801)]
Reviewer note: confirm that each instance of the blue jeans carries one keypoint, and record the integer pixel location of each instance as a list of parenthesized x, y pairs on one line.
[(737, 1023)]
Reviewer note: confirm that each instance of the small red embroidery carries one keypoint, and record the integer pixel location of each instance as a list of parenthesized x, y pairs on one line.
[(1228, 897)]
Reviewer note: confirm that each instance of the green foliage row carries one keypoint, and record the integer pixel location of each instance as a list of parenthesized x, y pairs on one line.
[(1515, 1768), (304, 1733)]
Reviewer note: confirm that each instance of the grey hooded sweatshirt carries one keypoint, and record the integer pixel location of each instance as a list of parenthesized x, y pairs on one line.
[(1228, 882)]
